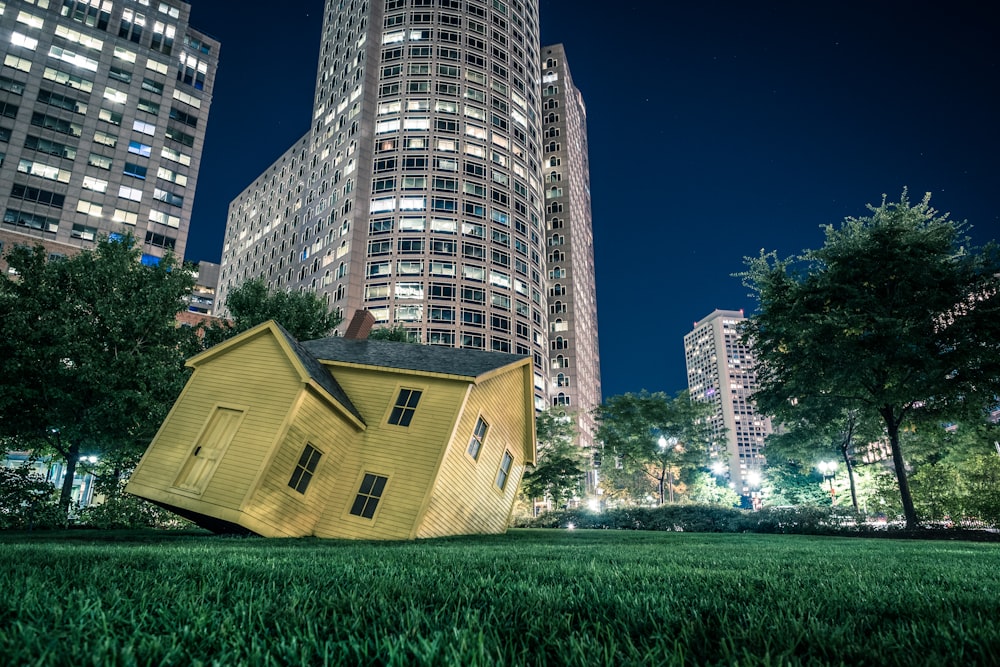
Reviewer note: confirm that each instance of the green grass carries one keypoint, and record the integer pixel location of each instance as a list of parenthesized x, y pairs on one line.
[(527, 598)]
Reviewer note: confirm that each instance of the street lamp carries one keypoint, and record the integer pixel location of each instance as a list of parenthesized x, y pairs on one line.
[(754, 479), (664, 443), (829, 469)]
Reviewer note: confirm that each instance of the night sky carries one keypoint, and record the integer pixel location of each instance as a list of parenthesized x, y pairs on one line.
[(716, 129)]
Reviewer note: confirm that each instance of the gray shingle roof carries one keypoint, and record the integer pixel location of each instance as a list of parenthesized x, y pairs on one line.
[(408, 356), (320, 374)]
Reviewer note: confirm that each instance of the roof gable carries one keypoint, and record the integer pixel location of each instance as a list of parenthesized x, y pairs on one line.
[(308, 366)]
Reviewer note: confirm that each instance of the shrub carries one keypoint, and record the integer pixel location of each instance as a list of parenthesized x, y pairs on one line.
[(695, 518), (707, 519), (28, 500), (124, 511)]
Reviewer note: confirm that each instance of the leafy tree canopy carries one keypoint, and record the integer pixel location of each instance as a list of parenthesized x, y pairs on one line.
[(304, 315), (560, 469), (652, 440), (398, 333), (896, 315), (90, 351)]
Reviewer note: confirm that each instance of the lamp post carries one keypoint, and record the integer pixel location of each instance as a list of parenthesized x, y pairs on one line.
[(829, 469), (664, 444), (754, 479)]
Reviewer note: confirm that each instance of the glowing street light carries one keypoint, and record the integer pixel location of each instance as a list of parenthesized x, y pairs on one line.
[(753, 479), (829, 470), (663, 443)]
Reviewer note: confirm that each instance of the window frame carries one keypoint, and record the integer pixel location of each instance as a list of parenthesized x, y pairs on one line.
[(478, 439), (302, 473), (365, 497), (504, 469), (406, 410)]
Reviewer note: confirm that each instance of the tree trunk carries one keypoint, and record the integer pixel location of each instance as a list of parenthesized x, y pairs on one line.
[(845, 450), (850, 477), (909, 512), (66, 495)]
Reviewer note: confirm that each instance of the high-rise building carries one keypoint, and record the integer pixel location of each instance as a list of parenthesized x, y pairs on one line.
[(720, 370), (103, 109), (574, 358), (416, 193)]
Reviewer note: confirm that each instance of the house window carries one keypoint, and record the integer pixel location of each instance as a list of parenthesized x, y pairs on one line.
[(305, 468), (478, 436), (406, 404), (504, 472), (368, 496)]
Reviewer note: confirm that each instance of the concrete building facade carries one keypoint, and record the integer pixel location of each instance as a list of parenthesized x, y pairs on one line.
[(103, 110), (720, 370), (574, 357), (416, 193)]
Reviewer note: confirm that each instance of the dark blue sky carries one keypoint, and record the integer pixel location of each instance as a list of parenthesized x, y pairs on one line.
[(716, 129)]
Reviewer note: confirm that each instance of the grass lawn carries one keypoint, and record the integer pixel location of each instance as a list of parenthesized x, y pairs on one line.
[(531, 597)]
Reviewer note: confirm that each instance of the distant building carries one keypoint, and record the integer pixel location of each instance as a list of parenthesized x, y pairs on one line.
[(103, 110), (54, 471), (206, 279), (574, 357), (720, 370)]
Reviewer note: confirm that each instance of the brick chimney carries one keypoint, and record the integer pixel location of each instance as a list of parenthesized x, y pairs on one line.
[(360, 326)]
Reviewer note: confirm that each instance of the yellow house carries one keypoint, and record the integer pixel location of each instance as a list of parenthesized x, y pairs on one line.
[(343, 438)]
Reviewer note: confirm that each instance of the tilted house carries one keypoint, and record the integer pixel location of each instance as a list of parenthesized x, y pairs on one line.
[(343, 438)]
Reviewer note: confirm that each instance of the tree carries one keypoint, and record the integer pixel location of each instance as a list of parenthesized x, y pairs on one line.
[(896, 315), (397, 333), (90, 352), (705, 489), (27, 499), (789, 482), (652, 438), (950, 464), (808, 437), (559, 472), (303, 314)]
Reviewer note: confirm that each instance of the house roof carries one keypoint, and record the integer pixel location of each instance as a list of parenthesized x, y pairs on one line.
[(408, 356), (319, 373), (308, 367)]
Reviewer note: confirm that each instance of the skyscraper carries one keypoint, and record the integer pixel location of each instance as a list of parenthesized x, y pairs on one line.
[(416, 193), (574, 358), (720, 371), (103, 108)]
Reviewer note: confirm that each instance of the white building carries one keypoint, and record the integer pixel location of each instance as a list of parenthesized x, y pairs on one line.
[(720, 370)]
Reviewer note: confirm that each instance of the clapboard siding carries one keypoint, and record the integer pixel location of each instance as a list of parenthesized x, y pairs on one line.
[(465, 498), (408, 456), (274, 503), (256, 377)]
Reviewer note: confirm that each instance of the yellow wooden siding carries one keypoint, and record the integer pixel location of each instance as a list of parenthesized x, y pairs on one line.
[(408, 456), (274, 503), (465, 499), (256, 376)]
